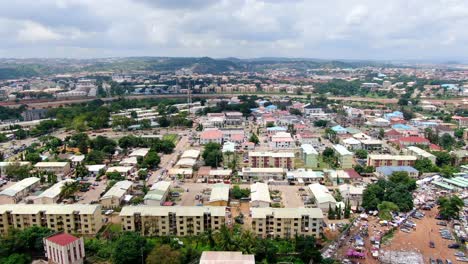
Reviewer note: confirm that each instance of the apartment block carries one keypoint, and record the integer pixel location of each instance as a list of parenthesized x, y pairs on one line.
[(309, 155), (345, 157), (19, 190), (172, 220), (376, 160), (421, 153), (72, 218), (58, 168), (271, 159), (286, 222)]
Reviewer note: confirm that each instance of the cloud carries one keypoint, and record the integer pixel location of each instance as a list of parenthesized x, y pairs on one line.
[(356, 29)]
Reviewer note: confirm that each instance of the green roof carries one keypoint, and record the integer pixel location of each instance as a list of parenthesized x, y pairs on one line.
[(443, 185), (456, 183)]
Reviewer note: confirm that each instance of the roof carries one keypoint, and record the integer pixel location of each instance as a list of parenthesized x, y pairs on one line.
[(191, 153), (229, 147), (414, 139), (77, 158), (158, 190), (226, 257), (118, 190), (7, 163), (95, 168), (62, 239), (148, 210), (390, 157), (259, 192), (263, 170), (351, 141), (211, 134), (272, 154), (287, 213), (308, 149), (221, 172), (339, 128), (20, 186), (321, 193), (342, 150), (303, 173), (351, 189), (186, 162), (55, 190), (180, 171), (141, 152), (389, 170), (421, 152), (50, 164), (219, 192), (119, 169), (130, 160), (50, 209)]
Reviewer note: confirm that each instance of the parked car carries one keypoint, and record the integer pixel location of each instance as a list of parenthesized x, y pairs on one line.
[(439, 261), (442, 223), (432, 261), (455, 245), (431, 244), (448, 261)]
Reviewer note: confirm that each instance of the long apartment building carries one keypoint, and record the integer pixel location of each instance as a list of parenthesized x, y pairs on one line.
[(286, 222), (172, 220), (73, 218), (421, 153), (271, 160), (377, 160), (345, 157)]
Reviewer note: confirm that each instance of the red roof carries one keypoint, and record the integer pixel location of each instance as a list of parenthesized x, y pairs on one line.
[(414, 139), (62, 239), (435, 147), (353, 174), (211, 134), (392, 132)]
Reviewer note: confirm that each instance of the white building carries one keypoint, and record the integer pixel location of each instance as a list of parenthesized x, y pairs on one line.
[(158, 193), (323, 198), (421, 153), (115, 195), (51, 195), (259, 195), (64, 248), (19, 190)]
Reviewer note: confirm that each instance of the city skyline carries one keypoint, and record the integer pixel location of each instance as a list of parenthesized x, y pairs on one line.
[(355, 30)]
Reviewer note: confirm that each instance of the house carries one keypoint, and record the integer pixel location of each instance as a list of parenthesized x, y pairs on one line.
[(308, 137), (95, 169), (420, 153), (352, 193), (322, 196), (58, 168), (371, 144), (387, 171), (233, 118), (267, 173), (185, 173), (309, 155), (352, 143), (157, 194), (5, 164), (219, 195), (16, 192), (226, 257), (378, 160), (345, 157), (141, 152), (304, 176), (211, 136), (64, 248), (411, 141), (392, 134), (116, 194), (191, 154), (380, 122), (282, 140), (123, 170), (259, 195), (339, 130), (52, 195)]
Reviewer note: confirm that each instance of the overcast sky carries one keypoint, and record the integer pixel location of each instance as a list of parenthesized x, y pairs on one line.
[(334, 29)]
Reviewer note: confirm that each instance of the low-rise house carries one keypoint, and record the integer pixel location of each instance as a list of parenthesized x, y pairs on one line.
[(123, 170), (141, 152), (304, 176), (352, 193), (262, 173), (58, 168), (64, 248), (352, 143), (94, 170), (52, 195), (322, 197), (158, 193), (270, 222), (211, 136), (185, 163), (339, 130), (371, 144), (172, 220), (259, 195), (282, 140), (19, 190), (219, 195), (411, 141), (186, 173), (190, 154), (116, 194)]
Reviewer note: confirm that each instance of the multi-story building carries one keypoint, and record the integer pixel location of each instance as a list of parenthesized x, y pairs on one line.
[(309, 155), (19, 190), (211, 136), (226, 257), (421, 153), (287, 222), (58, 168), (263, 173), (282, 140), (172, 220), (377, 160), (233, 118), (51, 195), (64, 248), (116, 194), (345, 157), (70, 218), (271, 159)]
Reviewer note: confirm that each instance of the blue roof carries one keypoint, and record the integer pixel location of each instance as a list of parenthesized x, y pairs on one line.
[(338, 128), (401, 126), (276, 128), (389, 170), (449, 86), (271, 107)]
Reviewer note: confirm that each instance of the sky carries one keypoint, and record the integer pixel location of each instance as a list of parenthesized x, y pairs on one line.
[(330, 29)]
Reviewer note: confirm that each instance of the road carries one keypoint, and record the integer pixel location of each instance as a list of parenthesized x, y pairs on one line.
[(37, 104)]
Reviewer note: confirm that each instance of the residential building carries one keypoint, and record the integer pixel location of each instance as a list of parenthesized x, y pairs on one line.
[(211, 136), (352, 193), (64, 248), (83, 219), (219, 195), (172, 220), (421, 153), (226, 257), (345, 157), (52, 195), (259, 195), (411, 141), (309, 155), (123, 170), (158, 193), (371, 144), (271, 159), (58, 168), (249, 173), (304, 176), (270, 222), (282, 140), (339, 130), (387, 171), (19, 190), (116, 194), (377, 160), (233, 119), (140, 152), (322, 196)]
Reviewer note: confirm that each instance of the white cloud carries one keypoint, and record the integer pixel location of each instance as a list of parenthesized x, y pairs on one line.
[(34, 32)]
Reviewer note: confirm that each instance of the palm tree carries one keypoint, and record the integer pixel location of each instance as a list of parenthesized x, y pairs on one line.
[(69, 189)]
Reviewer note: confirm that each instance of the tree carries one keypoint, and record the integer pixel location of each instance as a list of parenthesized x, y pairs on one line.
[(328, 152), (385, 209), (446, 141), (331, 213), (129, 248), (164, 122), (103, 144), (425, 165), (33, 157), (95, 157), (308, 252), (16, 258), (17, 171), (114, 176), (212, 154), (163, 255), (254, 139), (381, 133), (321, 123), (121, 122), (69, 189), (295, 111), (459, 133), (347, 210), (450, 207), (151, 160), (361, 153), (443, 158), (239, 193), (81, 171)]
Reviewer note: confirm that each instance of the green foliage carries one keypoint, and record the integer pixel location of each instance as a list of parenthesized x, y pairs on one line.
[(163, 255), (238, 193), (447, 141), (18, 246), (95, 157), (443, 158), (425, 165), (115, 176), (254, 139), (103, 144), (151, 160), (361, 153), (129, 248), (385, 209), (212, 154), (450, 207), (33, 157), (321, 123), (17, 171), (294, 111)]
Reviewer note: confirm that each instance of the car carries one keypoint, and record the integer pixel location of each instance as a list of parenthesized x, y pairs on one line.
[(448, 261), (438, 217), (442, 223), (175, 194), (459, 254), (454, 245), (439, 261), (432, 261), (431, 244), (109, 212)]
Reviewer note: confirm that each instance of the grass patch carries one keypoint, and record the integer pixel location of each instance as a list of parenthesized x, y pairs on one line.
[(388, 237), (171, 137), (114, 228)]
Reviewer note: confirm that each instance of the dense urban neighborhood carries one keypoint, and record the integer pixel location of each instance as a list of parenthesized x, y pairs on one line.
[(233, 161)]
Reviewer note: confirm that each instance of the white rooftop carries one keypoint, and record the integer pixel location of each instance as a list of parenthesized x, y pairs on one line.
[(49, 164), (191, 153), (141, 152), (118, 190), (219, 192), (342, 150), (20, 186), (309, 149), (287, 213), (321, 193), (55, 190), (259, 192), (148, 210)]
